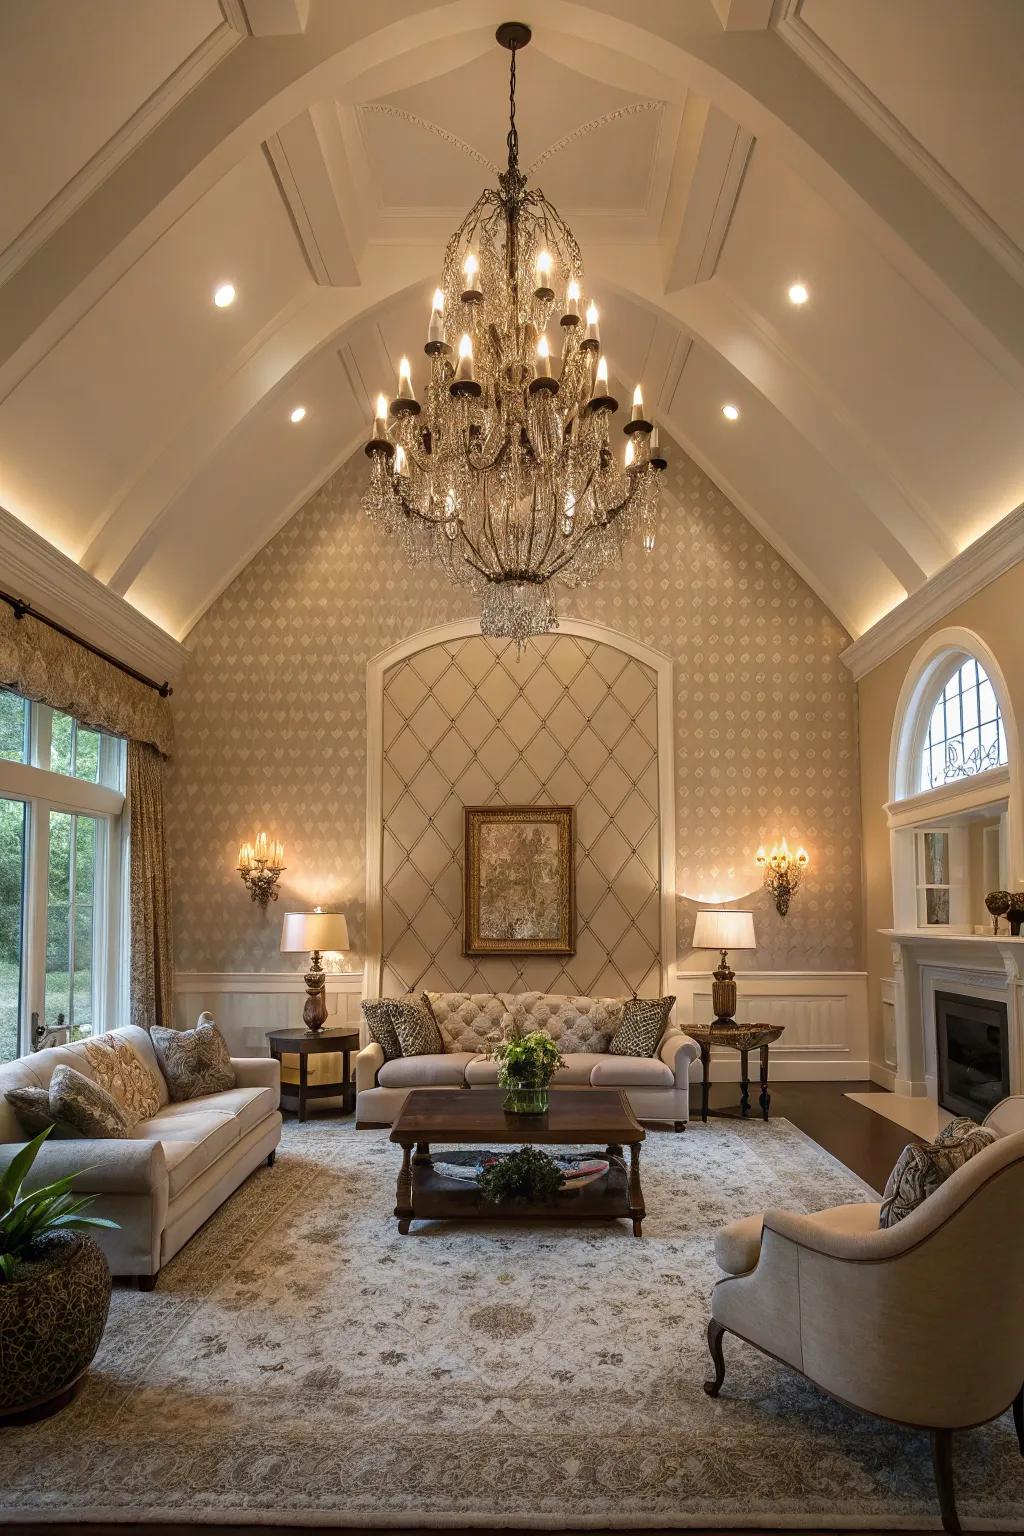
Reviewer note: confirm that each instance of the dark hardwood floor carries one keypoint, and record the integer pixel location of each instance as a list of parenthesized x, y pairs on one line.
[(865, 1142)]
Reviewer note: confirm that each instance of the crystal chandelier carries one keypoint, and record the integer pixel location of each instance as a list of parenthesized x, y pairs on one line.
[(503, 472)]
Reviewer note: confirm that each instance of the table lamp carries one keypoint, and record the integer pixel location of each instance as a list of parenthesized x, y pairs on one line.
[(314, 933), (724, 931)]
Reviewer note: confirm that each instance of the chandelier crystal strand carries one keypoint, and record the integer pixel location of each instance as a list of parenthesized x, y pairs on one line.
[(504, 473)]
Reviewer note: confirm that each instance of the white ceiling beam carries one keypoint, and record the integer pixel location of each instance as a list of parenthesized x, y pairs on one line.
[(743, 15), (274, 18), (753, 77), (118, 548), (711, 157), (33, 569), (312, 171)]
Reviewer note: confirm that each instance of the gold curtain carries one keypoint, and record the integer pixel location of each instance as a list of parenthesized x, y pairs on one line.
[(150, 972), (42, 664)]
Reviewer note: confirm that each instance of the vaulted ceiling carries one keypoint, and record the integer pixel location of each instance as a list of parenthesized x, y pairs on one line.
[(316, 154)]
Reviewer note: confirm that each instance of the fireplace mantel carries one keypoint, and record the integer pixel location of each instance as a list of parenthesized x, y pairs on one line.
[(987, 964)]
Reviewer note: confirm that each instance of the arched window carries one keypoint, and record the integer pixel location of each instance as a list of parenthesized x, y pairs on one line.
[(964, 734)]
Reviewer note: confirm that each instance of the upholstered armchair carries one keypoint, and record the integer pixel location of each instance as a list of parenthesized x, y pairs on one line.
[(921, 1323)]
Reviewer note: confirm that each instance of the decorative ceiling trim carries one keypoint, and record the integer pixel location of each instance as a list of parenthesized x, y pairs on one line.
[(632, 109), (54, 584), (849, 87), (210, 52), (385, 109), (974, 568)]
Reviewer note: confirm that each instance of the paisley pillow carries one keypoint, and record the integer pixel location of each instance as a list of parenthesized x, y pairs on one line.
[(32, 1107), (194, 1062), (920, 1170), (87, 1106), (117, 1066)]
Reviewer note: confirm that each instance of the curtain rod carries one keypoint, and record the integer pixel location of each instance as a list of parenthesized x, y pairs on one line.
[(21, 608)]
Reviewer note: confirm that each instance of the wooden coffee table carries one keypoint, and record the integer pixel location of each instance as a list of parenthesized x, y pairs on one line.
[(476, 1117)]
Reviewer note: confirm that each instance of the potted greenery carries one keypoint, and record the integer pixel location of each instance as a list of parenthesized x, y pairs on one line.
[(54, 1290), (528, 1174), (527, 1065)]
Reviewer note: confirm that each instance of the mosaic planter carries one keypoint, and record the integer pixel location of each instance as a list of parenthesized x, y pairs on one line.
[(52, 1316)]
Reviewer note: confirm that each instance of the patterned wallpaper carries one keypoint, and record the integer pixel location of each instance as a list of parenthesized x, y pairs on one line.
[(270, 723), (567, 722)]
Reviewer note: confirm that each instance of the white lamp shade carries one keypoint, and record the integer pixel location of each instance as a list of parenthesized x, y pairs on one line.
[(724, 930), (302, 932)]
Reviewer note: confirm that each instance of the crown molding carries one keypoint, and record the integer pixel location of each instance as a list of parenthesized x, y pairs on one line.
[(849, 87), (211, 51), (55, 585), (996, 551)]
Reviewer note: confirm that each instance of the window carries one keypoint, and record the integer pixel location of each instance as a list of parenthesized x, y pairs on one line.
[(61, 804), (965, 733)]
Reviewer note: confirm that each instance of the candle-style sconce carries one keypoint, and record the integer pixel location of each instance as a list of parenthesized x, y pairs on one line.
[(783, 872), (260, 865)]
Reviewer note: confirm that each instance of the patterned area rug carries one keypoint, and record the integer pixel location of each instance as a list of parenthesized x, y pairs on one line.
[(301, 1362)]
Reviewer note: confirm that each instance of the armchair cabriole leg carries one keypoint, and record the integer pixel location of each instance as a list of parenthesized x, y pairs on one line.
[(715, 1335), (942, 1463), (1018, 1418)]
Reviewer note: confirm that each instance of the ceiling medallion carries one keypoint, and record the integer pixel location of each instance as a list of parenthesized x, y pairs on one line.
[(503, 473)]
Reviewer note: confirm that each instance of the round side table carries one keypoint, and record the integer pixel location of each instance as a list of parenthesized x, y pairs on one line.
[(305, 1043), (743, 1038)]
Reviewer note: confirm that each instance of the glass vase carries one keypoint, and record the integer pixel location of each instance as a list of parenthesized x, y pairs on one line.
[(526, 1095)]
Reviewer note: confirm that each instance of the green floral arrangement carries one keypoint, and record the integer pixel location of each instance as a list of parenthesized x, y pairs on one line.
[(528, 1174), (527, 1058), (28, 1216)]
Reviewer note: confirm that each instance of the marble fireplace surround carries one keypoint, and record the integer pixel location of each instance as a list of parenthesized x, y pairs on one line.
[(971, 965)]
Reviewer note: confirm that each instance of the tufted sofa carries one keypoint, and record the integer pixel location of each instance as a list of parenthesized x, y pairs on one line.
[(657, 1087)]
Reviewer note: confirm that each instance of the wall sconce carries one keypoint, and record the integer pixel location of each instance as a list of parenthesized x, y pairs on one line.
[(783, 872), (260, 865)]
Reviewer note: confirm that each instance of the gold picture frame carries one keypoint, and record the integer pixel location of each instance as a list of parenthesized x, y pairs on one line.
[(520, 880)]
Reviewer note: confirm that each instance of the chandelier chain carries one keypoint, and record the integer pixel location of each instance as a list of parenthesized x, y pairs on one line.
[(512, 138)]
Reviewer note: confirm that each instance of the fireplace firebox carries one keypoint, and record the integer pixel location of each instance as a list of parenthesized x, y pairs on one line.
[(973, 1053)]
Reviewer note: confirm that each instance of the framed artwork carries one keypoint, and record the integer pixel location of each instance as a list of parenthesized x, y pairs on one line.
[(520, 880)]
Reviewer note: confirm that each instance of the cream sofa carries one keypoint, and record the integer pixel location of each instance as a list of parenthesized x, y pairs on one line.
[(921, 1323), (657, 1087), (175, 1170)]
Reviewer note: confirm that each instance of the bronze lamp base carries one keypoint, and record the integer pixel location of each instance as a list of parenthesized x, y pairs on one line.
[(723, 991), (314, 1012)]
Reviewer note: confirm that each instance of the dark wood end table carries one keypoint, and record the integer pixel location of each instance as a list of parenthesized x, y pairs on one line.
[(477, 1117), (305, 1043), (743, 1038)]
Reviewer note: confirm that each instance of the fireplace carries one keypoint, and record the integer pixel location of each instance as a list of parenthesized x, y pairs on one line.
[(973, 1040)]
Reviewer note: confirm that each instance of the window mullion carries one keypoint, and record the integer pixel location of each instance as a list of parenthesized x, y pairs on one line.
[(36, 890), (40, 730), (72, 898)]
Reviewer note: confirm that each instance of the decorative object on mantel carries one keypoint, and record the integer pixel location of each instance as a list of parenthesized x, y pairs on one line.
[(504, 474), (724, 931), (783, 872), (520, 896), (261, 865), (1015, 913), (314, 933), (998, 904)]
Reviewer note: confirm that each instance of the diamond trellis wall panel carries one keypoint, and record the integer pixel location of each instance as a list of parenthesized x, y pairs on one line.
[(568, 722), (270, 723)]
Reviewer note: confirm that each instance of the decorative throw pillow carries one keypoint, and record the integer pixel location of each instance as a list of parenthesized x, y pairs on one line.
[(920, 1170), (380, 1025), (194, 1062), (87, 1106), (117, 1066), (643, 1024), (417, 1033)]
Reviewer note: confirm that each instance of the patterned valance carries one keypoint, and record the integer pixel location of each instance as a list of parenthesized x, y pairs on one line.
[(42, 664)]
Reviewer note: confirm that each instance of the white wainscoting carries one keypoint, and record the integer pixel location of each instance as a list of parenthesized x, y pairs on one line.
[(824, 1013), (246, 1004)]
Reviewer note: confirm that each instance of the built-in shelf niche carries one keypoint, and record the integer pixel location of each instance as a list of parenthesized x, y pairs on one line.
[(943, 866)]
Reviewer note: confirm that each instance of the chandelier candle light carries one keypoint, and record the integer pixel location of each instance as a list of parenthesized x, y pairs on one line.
[(261, 865), (783, 872), (504, 474)]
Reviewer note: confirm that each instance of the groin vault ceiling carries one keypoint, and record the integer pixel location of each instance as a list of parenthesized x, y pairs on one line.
[(314, 154)]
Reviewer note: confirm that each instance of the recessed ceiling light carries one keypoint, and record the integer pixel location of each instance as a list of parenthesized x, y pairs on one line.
[(224, 295), (298, 413), (798, 294), (730, 413)]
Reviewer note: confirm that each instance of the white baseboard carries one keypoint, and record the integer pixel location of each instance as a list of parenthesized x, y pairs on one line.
[(884, 1076), (726, 1069)]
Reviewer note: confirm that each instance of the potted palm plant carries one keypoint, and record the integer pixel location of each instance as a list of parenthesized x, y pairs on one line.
[(54, 1290), (527, 1065)]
